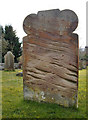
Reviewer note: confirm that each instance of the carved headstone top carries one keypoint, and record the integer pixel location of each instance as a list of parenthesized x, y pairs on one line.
[(53, 21), (50, 53)]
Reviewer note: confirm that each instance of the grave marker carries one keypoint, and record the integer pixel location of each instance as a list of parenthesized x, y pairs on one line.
[(9, 61), (50, 52)]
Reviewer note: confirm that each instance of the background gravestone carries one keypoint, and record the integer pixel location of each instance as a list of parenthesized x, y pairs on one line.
[(9, 61), (50, 52)]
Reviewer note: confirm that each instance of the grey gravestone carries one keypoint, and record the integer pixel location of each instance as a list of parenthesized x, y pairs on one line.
[(9, 61)]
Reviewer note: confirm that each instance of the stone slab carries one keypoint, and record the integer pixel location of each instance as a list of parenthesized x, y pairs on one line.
[(50, 52)]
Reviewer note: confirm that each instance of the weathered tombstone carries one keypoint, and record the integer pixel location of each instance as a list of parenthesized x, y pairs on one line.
[(82, 64), (9, 61), (20, 62), (50, 52)]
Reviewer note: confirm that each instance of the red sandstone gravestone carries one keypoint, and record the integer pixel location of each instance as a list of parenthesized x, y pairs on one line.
[(50, 51)]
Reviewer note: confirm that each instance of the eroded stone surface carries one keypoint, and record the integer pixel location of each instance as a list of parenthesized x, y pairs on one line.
[(50, 51)]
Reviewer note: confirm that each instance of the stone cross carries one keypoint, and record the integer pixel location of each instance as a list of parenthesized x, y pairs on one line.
[(50, 52), (9, 61)]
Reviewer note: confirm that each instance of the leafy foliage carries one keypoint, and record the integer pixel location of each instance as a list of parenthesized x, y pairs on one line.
[(83, 57), (3, 44)]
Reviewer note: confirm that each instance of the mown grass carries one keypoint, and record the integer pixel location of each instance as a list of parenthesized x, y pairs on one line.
[(14, 106)]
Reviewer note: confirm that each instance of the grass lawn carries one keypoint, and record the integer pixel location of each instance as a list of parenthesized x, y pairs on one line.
[(14, 106)]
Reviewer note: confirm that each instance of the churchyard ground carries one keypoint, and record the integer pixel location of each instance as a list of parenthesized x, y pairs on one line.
[(14, 105)]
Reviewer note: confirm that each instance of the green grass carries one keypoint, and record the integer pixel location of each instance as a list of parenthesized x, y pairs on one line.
[(14, 106)]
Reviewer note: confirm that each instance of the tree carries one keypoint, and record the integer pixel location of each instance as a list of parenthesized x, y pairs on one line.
[(4, 48), (14, 45), (3, 44)]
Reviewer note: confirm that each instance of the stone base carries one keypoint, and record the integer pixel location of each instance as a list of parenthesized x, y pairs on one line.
[(38, 95)]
